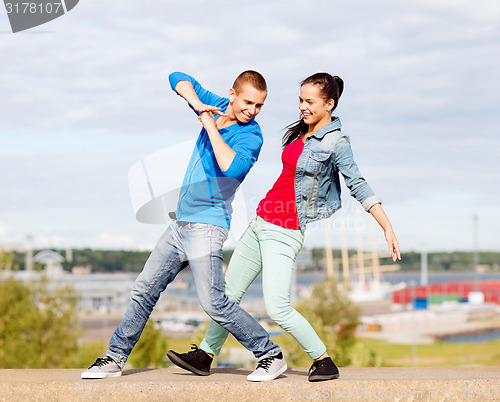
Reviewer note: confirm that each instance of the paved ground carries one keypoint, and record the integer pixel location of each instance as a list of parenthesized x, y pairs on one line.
[(355, 384)]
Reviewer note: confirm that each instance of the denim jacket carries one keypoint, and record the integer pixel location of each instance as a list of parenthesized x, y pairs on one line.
[(317, 184)]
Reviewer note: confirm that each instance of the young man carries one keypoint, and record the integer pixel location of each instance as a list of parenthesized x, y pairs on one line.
[(227, 147)]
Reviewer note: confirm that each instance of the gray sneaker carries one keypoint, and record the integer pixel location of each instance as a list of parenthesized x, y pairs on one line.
[(269, 368), (103, 368)]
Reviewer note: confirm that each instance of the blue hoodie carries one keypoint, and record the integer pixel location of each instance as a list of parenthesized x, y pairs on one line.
[(207, 191)]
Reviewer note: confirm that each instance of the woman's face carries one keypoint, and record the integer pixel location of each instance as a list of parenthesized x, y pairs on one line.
[(312, 106)]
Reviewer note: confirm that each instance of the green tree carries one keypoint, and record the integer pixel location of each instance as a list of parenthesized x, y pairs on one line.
[(38, 325), (334, 317), (7, 260), (151, 348)]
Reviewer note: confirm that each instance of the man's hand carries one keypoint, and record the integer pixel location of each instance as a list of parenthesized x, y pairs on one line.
[(202, 108), (224, 154), (186, 90), (207, 118)]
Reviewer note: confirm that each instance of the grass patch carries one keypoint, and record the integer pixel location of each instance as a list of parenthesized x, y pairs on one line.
[(437, 354)]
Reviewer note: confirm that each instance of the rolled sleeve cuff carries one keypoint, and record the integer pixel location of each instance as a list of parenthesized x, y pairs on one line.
[(238, 169), (370, 202), (175, 77)]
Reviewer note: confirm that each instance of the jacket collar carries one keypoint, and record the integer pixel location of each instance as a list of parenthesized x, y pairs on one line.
[(334, 125)]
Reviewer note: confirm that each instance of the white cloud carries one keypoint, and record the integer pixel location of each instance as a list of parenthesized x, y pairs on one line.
[(3, 231), (475, 11), (86, 96)]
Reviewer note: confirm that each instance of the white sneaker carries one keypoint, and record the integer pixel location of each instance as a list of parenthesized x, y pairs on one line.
[(103, 368), (269, 368)]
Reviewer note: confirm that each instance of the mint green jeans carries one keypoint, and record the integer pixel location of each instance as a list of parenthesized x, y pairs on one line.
[(271, 249)]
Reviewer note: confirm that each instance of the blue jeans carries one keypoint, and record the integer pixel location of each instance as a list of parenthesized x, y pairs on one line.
[(200, 246), (272, 250)]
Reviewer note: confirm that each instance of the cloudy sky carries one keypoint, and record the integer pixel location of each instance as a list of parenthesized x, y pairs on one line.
[(86, 96)]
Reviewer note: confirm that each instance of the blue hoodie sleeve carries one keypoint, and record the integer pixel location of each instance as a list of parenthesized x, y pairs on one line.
[(247, 149), (206, 97)]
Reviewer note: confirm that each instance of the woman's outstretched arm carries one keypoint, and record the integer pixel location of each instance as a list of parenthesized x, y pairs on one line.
[(378, 213)]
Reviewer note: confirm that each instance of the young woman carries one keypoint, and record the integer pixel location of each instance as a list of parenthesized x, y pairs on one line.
[(315, 151)]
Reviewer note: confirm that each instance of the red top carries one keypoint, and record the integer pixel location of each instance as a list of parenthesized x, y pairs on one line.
[(279, 207)]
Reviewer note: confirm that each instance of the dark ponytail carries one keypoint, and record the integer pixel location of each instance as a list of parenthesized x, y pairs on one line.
[(340, 83), (331, 88)]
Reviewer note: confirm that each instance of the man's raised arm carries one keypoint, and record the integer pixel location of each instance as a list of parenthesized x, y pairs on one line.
[(186, 90), (198, 98)]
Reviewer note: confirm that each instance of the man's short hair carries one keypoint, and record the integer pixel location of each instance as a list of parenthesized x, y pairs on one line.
[(251, 77)]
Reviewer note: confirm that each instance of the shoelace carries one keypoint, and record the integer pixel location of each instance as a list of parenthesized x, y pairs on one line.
[(195, 349), (265, 363), (316, 364), (102, 361)]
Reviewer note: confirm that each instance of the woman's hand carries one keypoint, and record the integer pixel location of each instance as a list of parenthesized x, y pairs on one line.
[(390, 237), (378, 213)]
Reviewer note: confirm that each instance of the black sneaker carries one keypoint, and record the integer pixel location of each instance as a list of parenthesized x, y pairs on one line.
[(197, 361), (324, 369)]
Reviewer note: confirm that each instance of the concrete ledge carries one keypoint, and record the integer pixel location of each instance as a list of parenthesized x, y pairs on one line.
[(359, 384)]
